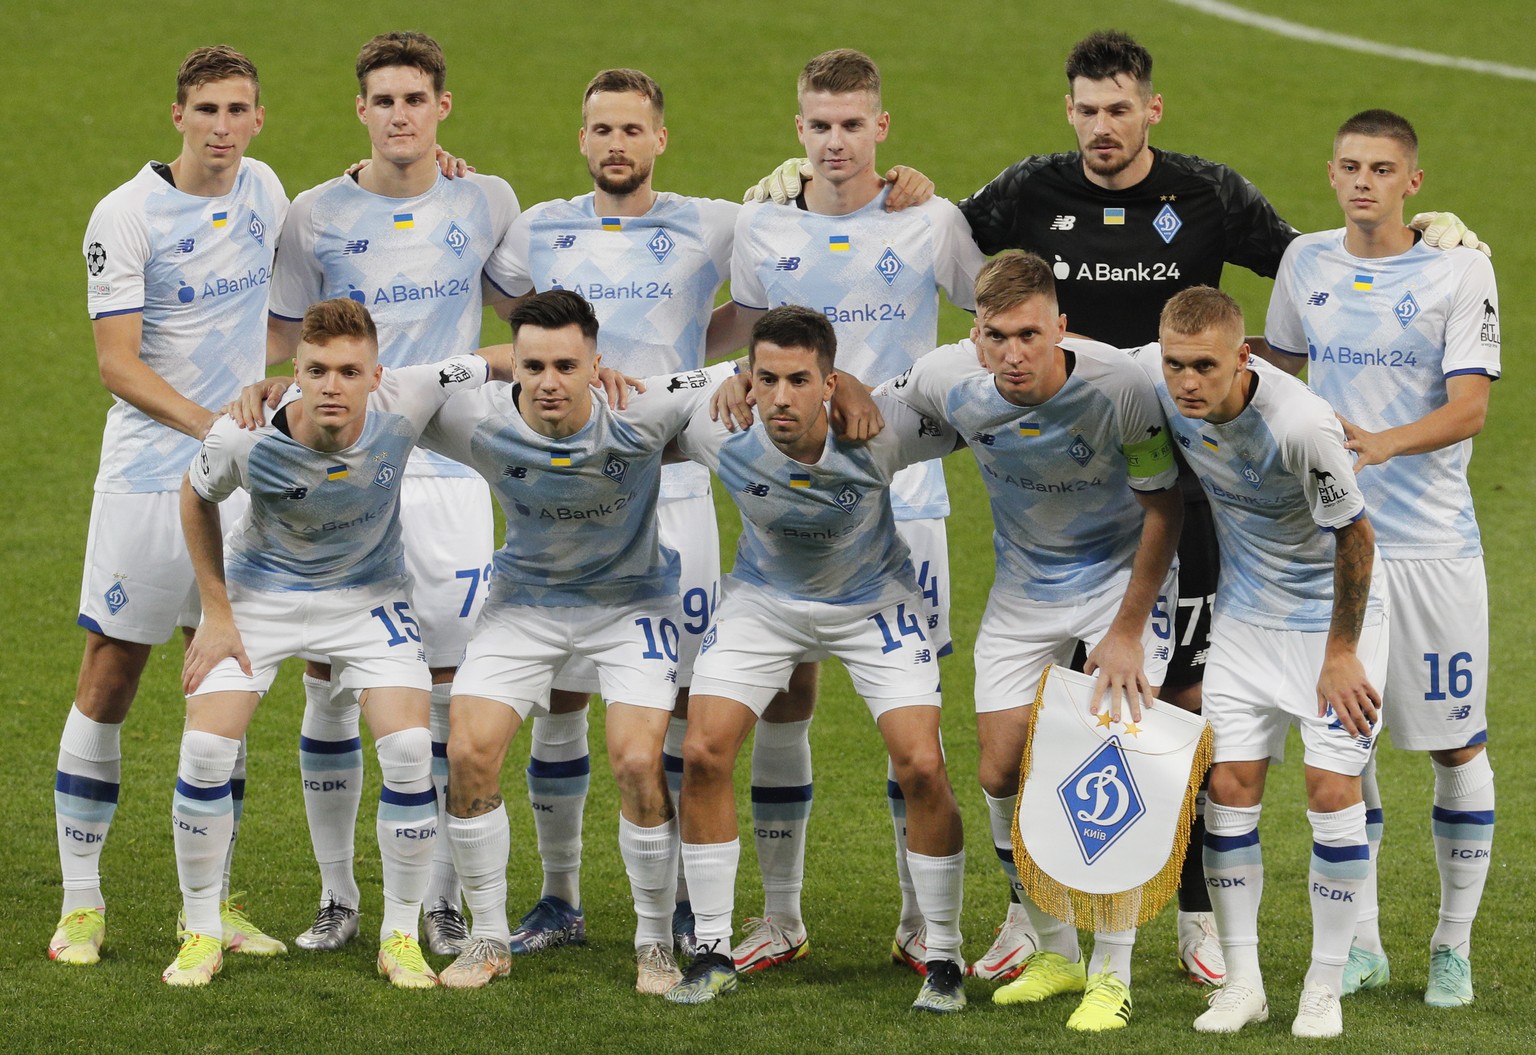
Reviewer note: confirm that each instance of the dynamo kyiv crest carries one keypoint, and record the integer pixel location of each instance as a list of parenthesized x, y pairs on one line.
[(1101, 800)]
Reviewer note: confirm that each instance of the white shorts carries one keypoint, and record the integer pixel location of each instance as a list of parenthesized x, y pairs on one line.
[(138, 584), (687, 525), (1260, 681), (929, 542), (1437, 671), (1019, 637), (368, 634), (449, 536), (759, 637), (516, 650)]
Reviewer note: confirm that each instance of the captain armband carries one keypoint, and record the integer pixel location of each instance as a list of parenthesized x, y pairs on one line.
[(1149, 457)]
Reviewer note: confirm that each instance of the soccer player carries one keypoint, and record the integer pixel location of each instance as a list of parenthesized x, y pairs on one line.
[(1074, 450), (315, 567), (401, 238), (876, 276), (807, 501), (580, 575), (1125, 226), (650, 263), (177, 260), (1299, 637), (1404, 343)]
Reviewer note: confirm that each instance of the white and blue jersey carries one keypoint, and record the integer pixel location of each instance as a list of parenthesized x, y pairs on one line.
[(580, 509), (1280, 482), (1381, 337), (1060, 474), (652, 280), (824, 531), (876, 276), (323, 520), (414, 263), (198, 270)]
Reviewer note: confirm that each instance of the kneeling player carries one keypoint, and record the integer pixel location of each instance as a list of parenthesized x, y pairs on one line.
[(809, 501), (315, 568)]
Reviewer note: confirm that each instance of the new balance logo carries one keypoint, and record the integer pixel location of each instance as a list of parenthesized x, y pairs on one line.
[(563, 241), (1460, 713), (295, 493), (757, 490), (516, 472), (186, 245), (1064, 223), (1318, 299), (787, 263), (353, 248)]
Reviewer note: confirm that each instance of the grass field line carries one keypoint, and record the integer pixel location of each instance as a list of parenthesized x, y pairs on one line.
[(1296, 31)]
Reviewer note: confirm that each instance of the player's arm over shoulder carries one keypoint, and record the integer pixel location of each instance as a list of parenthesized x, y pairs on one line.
[(910, 437)]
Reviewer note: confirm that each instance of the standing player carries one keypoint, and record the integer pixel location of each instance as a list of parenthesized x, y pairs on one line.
[(315, 567), (178, 262), (876, 276), (1298, 637), (1074, 451), (410, 244), (581, 575), (807, 501), (1404, 342), (650, 263)]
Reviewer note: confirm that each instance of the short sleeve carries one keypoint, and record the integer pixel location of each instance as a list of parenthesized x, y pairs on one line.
[(956, 258), (509, 268), (1314, 452), (909, 437), (215, 471), (1282, 326), (1472, 327), (297, 278), (746, 285), (926, 385), (117, 253)]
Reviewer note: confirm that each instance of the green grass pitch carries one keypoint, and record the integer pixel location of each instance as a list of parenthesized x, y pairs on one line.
[(972, 86)]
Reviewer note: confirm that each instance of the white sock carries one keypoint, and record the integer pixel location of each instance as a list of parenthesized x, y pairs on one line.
[(1463, 828), (443, 881), (1112, 953), (85, 790), (911, 916), (237, 810), (1368, 927), (1234, 873), (713, 868), (1341, 861), (202, 820), (331, 767), (781, 811), (940, 886), (559, 771), (406, 826), (481, 848), (1051, 934), (672, 764), (1000, 817), (650, 858)]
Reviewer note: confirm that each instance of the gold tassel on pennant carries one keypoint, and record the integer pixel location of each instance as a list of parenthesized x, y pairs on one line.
[(1127, 908)]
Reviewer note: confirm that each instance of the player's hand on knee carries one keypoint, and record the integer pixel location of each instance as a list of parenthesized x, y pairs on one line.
[(246, 409), (783, 184), (1445, 230), (909, 187), (215, 641), (732, 403), (1343, 685)]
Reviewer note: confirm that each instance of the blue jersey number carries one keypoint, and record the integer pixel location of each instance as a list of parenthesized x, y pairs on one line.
[(407, 623), (907, 625), (698, 606), (1458, 676), (475, 577), (663, 633)]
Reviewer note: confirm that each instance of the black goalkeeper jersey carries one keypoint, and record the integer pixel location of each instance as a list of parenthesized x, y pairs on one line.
[(1119, 255)]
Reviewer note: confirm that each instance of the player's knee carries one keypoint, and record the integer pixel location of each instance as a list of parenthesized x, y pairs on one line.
[(207, 759), (921, 772), (405, 757), (636, 765), (470, 763), (998, 777), (704, 758)]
